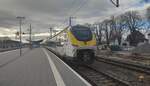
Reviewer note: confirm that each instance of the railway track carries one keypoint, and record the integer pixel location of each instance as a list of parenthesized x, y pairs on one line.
[(127, 65), (135, 74), (98, 78), (134, 57), (110, 72), (95, 77), (106, 72)]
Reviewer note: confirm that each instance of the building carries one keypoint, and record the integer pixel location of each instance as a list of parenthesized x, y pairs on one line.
[(6, 42)]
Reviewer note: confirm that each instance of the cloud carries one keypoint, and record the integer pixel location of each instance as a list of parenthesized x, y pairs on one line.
[(7, 32), (7, 19), (43, 13)]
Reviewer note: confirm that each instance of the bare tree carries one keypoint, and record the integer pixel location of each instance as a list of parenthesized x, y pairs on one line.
[(119, 28), (100, 35), (113, 29), (108, 31), (133, 20), (148, 16), (98, 32)]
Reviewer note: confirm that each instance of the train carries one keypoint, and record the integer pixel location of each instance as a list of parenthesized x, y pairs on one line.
[(78, 44)]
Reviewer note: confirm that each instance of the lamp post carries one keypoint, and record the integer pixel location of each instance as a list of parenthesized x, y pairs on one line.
[(50, 29), (20, 18), (30, 38)]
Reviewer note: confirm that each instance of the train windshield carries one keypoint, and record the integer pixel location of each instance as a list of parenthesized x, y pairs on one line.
[(82, 33)]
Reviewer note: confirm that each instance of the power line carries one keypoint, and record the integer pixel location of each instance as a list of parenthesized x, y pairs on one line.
[(71, 15), (72, 3), (80, 7), (71, 8), (76, 10)]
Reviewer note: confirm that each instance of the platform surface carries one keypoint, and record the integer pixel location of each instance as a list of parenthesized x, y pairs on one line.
[(37, 67)]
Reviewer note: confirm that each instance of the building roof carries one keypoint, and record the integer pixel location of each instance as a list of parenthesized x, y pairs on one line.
[(4, 38)]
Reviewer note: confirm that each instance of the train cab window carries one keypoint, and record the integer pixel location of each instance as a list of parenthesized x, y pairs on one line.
[(82, 33)]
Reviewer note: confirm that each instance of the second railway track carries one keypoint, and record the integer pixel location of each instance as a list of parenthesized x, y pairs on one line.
[(109, 73), (128, 65), (135, 74)]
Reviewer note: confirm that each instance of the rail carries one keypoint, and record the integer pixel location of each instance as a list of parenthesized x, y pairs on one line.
[(128, 65)]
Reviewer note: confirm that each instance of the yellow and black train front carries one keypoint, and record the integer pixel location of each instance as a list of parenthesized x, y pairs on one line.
[(83, 43)]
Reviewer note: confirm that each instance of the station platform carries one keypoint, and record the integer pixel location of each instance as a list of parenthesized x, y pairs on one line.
[(36, 67)]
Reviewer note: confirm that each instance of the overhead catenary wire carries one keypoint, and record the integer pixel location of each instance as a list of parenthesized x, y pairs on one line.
[(79, 8), (71, 14), (82, 4), (71, 8)]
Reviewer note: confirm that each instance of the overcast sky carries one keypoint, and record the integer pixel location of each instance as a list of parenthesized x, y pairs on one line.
[(43, 13)]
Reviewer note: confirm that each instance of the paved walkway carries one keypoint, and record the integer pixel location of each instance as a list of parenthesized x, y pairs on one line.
[(32, 69)]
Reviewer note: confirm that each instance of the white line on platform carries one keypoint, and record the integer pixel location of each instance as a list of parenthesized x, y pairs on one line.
[(87, 84), (57, 76)]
